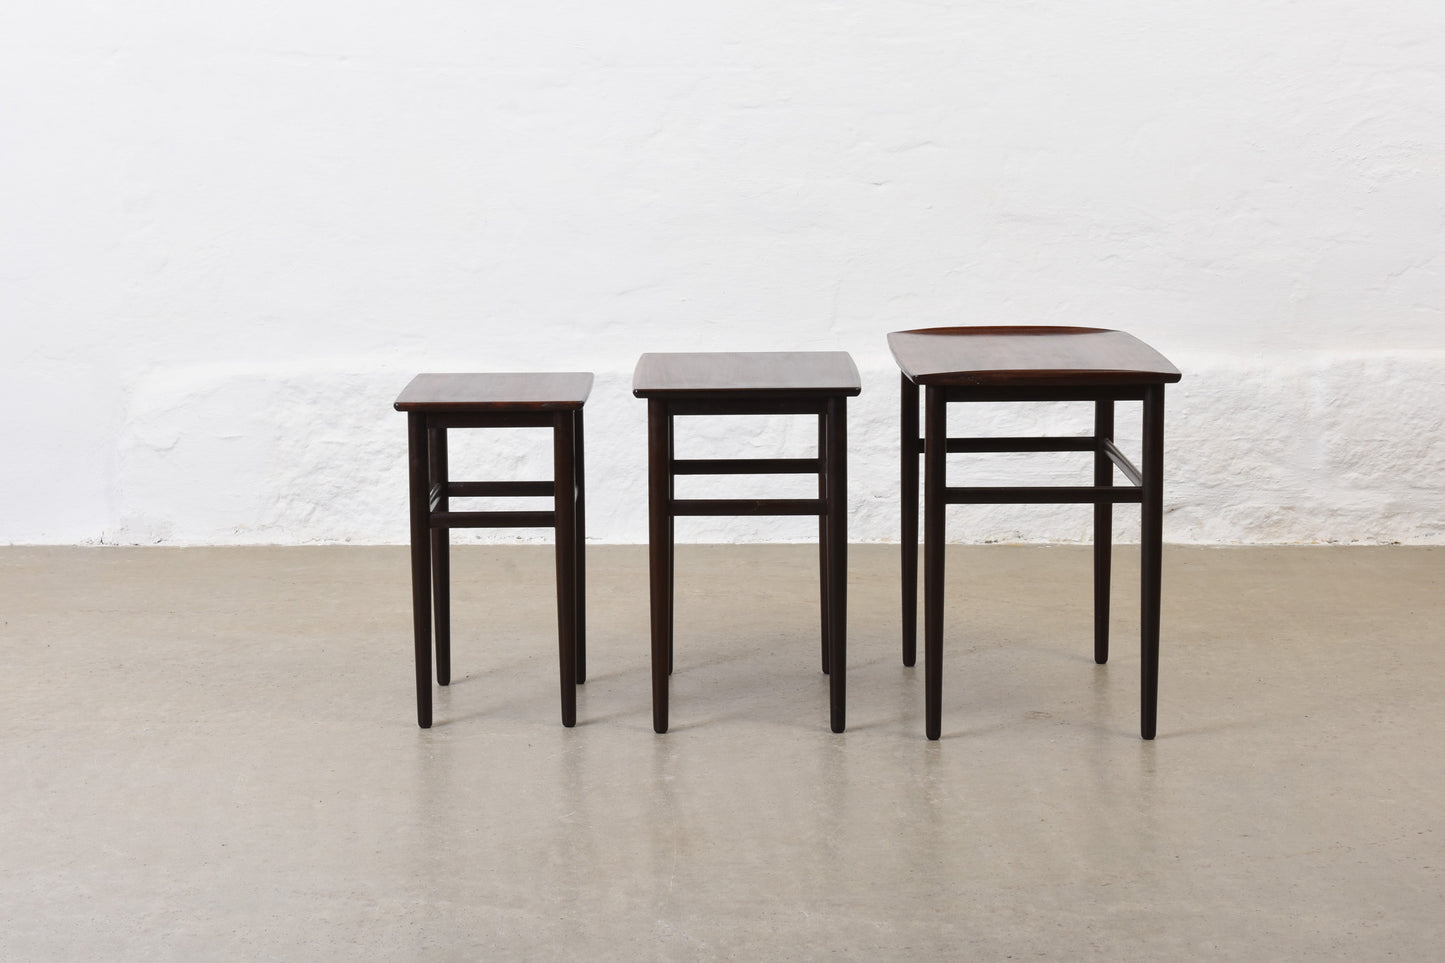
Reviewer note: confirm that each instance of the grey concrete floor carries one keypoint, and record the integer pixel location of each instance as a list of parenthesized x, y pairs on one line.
[(212, 754)]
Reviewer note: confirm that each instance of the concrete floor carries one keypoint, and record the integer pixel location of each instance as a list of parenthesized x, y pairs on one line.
[(212, 754)]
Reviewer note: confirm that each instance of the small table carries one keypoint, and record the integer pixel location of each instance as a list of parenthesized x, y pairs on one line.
[(749, 383), (435, 403), (1031, 363)]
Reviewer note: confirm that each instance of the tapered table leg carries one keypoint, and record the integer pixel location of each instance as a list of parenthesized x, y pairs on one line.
[(580, 548), (1151, 566), (418, 464), (836, 462), (1103, 529), (934, 505), (909, 501), (565, 513), (660, 554), (441, 569), (823, 527), (671, 546)]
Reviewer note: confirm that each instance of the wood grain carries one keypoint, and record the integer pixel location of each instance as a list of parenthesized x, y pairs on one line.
[(497, 391), (1027, 356), (758, 373)]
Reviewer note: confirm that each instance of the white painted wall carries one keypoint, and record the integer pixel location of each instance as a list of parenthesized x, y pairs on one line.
[(230, 232)]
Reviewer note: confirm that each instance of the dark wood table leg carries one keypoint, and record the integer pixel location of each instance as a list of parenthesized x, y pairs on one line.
[(441, 569), (418, 465), (908, 420), (836, 462), (581, 548), (1103, 529), (934, 506), (659, 513), (565, 509), (1151, 556), (671, 535), (824, 523)]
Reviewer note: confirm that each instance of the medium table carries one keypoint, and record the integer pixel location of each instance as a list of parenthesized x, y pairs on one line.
[(749, 383)]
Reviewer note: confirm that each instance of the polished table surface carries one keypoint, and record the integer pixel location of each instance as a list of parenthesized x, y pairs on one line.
[(1024, 355), (542, 391), (772, 372)]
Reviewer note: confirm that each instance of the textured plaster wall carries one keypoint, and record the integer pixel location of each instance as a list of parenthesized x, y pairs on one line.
[(230, 232)]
